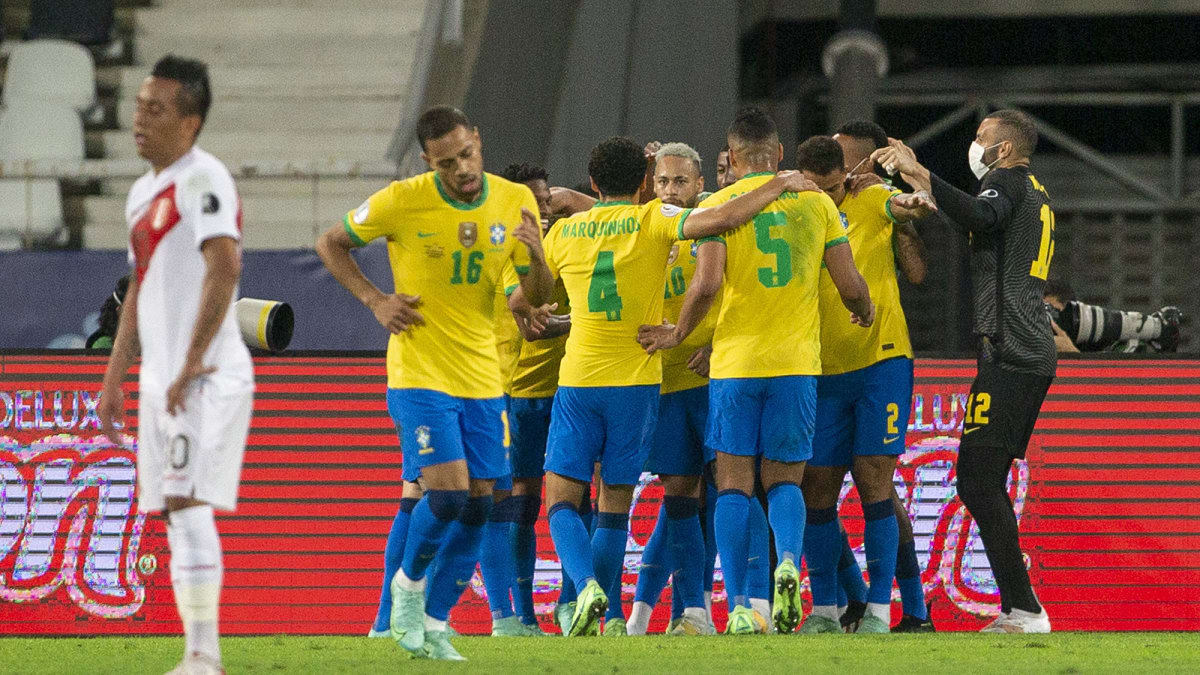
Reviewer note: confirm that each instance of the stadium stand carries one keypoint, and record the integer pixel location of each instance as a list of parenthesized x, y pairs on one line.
[(51, 70), (31, 211)]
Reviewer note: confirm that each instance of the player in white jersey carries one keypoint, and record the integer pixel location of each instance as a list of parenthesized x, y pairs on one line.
[(196, 382)]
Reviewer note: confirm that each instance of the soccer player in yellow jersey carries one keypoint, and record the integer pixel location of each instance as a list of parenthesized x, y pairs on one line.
[(677, 450), (766, 356), (449, 234), (863, 395), (529, 357), (612, 260)]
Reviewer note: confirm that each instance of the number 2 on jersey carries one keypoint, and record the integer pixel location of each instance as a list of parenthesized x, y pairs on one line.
[(781, 274), (602, 291), (1041, 267)]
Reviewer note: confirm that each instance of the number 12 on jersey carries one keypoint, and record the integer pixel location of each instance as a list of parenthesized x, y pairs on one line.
[(602, 291)]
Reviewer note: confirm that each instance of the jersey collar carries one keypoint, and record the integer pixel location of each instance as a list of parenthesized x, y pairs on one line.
[(462, 206)]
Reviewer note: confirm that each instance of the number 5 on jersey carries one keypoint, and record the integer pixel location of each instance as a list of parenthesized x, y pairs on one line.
[(602, 291)]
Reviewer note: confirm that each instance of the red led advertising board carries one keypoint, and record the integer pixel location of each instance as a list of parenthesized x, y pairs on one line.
[(1109, 502)]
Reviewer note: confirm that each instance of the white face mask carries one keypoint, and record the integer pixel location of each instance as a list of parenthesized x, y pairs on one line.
[(975, 159)]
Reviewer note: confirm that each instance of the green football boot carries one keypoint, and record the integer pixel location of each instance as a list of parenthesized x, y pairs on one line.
[(786, 611), (590, 607), (437, 646)]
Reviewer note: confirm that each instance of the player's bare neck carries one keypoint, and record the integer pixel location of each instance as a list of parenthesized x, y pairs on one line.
[(618, 198), (159, 165), (764, 167)]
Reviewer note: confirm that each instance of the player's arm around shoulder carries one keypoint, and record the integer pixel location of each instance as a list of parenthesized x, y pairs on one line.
[(902, 210), (709, 222)]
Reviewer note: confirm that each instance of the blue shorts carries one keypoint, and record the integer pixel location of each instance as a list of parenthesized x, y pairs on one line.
[(530, 422), (610, 425), (863, 412), (678, 448), (768, 416), (435, 428)]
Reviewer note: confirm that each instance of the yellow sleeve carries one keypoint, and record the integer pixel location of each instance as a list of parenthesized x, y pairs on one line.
[(520, 255), (378, 216), (509, 279), (550, 245), (834, 233), (886, 207), (665, 221)]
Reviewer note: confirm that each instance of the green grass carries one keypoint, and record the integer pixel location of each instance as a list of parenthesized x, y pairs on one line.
[(963, 653)]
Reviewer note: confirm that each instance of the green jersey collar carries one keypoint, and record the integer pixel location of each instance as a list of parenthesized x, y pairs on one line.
[(462, 206)]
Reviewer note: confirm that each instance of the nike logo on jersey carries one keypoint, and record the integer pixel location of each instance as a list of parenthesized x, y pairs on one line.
[(967, 430), (890, 440), (425, 234)]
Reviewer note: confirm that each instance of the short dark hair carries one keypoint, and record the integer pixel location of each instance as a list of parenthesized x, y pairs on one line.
[(1018, 128), (523, 173), (752, 125), (820, 155), (866, 130), (439, 121), (195, 92), (618, 165), (1059, 288)]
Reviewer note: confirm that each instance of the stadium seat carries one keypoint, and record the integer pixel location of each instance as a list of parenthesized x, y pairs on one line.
[(31, 211), (51, 70)]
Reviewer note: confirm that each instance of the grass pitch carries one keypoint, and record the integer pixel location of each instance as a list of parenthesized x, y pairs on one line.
[(972, 653)]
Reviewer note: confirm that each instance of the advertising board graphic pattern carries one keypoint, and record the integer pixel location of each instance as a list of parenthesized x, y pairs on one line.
[(1109, 503)]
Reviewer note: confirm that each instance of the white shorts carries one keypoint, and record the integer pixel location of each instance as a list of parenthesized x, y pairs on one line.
[(197, 453)]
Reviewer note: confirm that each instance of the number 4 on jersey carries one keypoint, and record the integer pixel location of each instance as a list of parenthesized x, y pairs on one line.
[(602, 292)]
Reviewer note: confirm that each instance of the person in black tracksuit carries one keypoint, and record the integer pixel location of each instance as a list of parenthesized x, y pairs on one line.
[(1011, 230)]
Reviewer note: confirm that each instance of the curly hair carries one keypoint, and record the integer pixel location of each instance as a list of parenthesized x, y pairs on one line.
[(820, 155), (866, 130), (523, 173), (618, 166)]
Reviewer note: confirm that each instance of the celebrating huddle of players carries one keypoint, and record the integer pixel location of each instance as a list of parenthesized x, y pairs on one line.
[(660, 329), (746, 346)]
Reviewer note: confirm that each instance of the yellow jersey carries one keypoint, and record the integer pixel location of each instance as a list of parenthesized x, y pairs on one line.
[(845, 346), (681, 267), (536, 372), (769, 323), (508, 336), (450, 253), (612, 261)]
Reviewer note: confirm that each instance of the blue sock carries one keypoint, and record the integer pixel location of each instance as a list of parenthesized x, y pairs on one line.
[(393, 554), (733, 543), (656, 562), (822, 546), (569, 587), (608, 554), (850, 574), (525, 548), (571, 543), (786, 511), (758, 564), (882, 536), (710, 535), (461, 553), (908, 578), (496, 563), (427, 527), (686, 539)]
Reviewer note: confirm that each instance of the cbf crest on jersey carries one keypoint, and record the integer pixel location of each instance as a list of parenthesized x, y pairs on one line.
[(845, 223), (498, 233), (695, 247), (467, 234)]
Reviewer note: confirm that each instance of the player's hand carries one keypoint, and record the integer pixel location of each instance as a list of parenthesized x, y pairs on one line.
[(110, 410), (655, 338), (529, 232), (182, 385), (896, 158), (862, 181), (538, 318), (1062, 341), (867, 320), (651, 150), (920, 203), (698, 363), (398, 312), (794, 181)]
